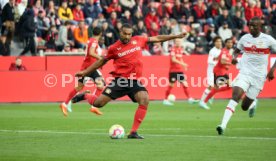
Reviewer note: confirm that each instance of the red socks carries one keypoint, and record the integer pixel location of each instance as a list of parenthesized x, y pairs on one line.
[(90, 98), (214, 91), (168, 91), (98, 91), (71, 95), (186, 91), (139, 117)]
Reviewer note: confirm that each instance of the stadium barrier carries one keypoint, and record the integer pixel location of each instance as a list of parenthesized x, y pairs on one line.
[(50, 78)]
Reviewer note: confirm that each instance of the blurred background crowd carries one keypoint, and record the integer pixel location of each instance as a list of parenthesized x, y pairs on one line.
[(66, 25)]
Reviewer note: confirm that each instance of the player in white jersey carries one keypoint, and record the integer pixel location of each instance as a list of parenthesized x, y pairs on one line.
[(253, 70), (212, 61)]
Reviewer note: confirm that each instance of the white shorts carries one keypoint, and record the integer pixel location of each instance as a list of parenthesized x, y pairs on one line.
[(252, 86), (210, 78)]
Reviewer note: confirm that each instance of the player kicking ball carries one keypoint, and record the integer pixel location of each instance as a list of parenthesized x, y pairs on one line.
[(221, 76), (92, 55), (127, 54), (176, 72), (255, 47)]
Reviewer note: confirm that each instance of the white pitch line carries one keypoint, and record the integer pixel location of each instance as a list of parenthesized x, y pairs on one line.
[(152, 135)]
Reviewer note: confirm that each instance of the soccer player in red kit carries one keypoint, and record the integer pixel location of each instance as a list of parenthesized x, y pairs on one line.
[(176, 72), (92, 55), (127, 54), (221, 76)]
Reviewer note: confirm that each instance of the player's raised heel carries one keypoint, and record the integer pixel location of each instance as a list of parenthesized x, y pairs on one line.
[(79, 97), (220, 130), (134, 135), (95, 110), (63, 108), (252, 111), (69, 106)]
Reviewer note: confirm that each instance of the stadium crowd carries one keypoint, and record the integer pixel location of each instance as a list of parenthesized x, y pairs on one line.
[(66, 25)]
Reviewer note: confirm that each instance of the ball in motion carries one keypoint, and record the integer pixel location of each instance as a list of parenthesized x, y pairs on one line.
[(171, 98), (116, 132)]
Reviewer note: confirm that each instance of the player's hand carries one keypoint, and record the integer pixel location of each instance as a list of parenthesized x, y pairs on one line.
[(234, 61), (80, 74), (270, 75), (182, 35)]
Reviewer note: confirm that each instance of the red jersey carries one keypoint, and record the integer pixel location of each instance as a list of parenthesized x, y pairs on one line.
[(178, 53), (127, 57), (221, 69), (88, 60)]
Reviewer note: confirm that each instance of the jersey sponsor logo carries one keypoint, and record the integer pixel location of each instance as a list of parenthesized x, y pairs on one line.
[(108, 90), (129, 51), (134, 42)]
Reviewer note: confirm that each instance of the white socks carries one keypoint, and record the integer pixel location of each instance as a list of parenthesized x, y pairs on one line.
[(205, 94), (230, 109)]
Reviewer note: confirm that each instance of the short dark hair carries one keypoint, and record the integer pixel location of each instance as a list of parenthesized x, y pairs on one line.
[(228, 39), (97, 31), (126, 25), (216, 38)]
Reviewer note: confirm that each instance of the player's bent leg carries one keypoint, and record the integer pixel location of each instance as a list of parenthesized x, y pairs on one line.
[(142, 98), (99, 102), (100, 84), (246, 102), (230, 109), (168, 91)]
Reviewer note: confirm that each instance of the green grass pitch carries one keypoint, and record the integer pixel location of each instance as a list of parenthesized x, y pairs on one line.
[(39, 132)]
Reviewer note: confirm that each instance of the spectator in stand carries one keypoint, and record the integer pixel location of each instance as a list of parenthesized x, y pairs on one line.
[(192, 38), (52, 19), (180, 12), (224, 17), (65, 13), (51, 38), (237, 7), (5, 42), (28, 32), (238, 23), (198, 12), (166, 30), (212, 11), (252, 10), (94, 24), (108, 34), (67, 48), (258, 10), (273, 23), (127, 5), (221, 6), (117, 30), (62, 39), (112, 20), (127, 17), (157, 49), (91, 11), (114, 7), (101, 19), (224, 32), (164, 9), (38, 7), (41, 26), (105, 4), (138, 15), (266, 6), (150, 18), (81, 35), (140, 28), (148, 6), (7, 15), (154, 30), (72, 4), (17, 65), (50, 8), (211, 34), (78, 13)]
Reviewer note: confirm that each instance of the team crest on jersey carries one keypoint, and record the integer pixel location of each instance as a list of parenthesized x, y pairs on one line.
[(119, 48), (134, 42), (108, 90)]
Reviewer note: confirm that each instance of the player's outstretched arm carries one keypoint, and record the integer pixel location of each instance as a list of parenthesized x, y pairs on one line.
[(270, 75), (99, 63), (162, 38), (235, 55)]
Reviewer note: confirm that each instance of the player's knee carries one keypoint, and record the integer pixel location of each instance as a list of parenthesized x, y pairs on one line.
[(244, 107), (98, 103), (100, 87), (144, 100)]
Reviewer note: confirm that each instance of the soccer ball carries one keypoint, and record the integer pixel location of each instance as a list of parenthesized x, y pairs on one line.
[(116, 132), (171, 98)]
